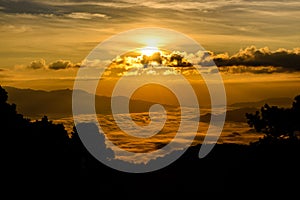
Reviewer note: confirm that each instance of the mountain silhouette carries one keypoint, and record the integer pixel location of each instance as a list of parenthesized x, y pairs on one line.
[(59, 102), (234, 115), (281, 101)]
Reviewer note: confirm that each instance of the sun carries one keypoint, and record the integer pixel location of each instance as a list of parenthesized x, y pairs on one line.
[(149, 51)]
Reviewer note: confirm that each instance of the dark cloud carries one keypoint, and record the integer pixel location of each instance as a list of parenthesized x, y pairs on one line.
[(37, 64), (55, 8), (260, 60), (1, 70), (57, 65), (32, 7), (251, 69), (62, 64)]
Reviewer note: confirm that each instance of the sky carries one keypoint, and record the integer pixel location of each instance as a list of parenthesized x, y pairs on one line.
[(255, 43)]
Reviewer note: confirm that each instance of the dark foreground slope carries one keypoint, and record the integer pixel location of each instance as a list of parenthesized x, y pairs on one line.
[(228, 168), (39, 158)]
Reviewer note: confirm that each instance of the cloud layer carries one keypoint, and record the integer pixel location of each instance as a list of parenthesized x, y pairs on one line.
[(75, 26), (57, 65), (252, 59), (248, 60)]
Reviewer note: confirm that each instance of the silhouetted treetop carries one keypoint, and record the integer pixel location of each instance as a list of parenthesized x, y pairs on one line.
[(42, 147), (296, 103), (35, 145), (275, 122), (3, 95)]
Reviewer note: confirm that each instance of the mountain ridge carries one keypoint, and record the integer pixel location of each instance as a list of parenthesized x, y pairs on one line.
[(58, 103), (279, 101)]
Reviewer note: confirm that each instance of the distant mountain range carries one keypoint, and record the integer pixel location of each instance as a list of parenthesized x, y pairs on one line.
[(237, 112), (281, 102), (235, 115), (58, 103)]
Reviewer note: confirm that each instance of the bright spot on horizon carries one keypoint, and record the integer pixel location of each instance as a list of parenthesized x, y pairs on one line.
[(149, 51)]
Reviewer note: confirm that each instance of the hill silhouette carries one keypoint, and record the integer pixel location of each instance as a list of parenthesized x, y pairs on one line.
[(281, 101), (234, 115), (39, 154), (59, 102)]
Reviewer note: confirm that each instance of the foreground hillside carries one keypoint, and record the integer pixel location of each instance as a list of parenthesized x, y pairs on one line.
[(39, 155)]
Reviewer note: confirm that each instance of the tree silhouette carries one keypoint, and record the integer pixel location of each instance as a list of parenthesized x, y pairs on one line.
[(277, 123), (3, 96), (31, 147), (42, 150), (10, 120)]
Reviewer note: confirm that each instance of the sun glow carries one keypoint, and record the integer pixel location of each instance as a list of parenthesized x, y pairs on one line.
[(149, 51)]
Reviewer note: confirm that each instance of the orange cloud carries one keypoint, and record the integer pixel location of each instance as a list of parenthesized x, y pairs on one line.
[(248, 60)]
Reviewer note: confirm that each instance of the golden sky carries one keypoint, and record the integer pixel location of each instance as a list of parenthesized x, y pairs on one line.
[(256, 42)]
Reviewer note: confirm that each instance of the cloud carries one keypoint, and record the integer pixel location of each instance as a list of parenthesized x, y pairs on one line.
[(259, 60), (110, 4), (251, 69), (159, 63), (62, 64), (37, 64), (29, 5), (258, 22), (248, 60), (84, 15), (32, 7), (173, 59), (57, 65)]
